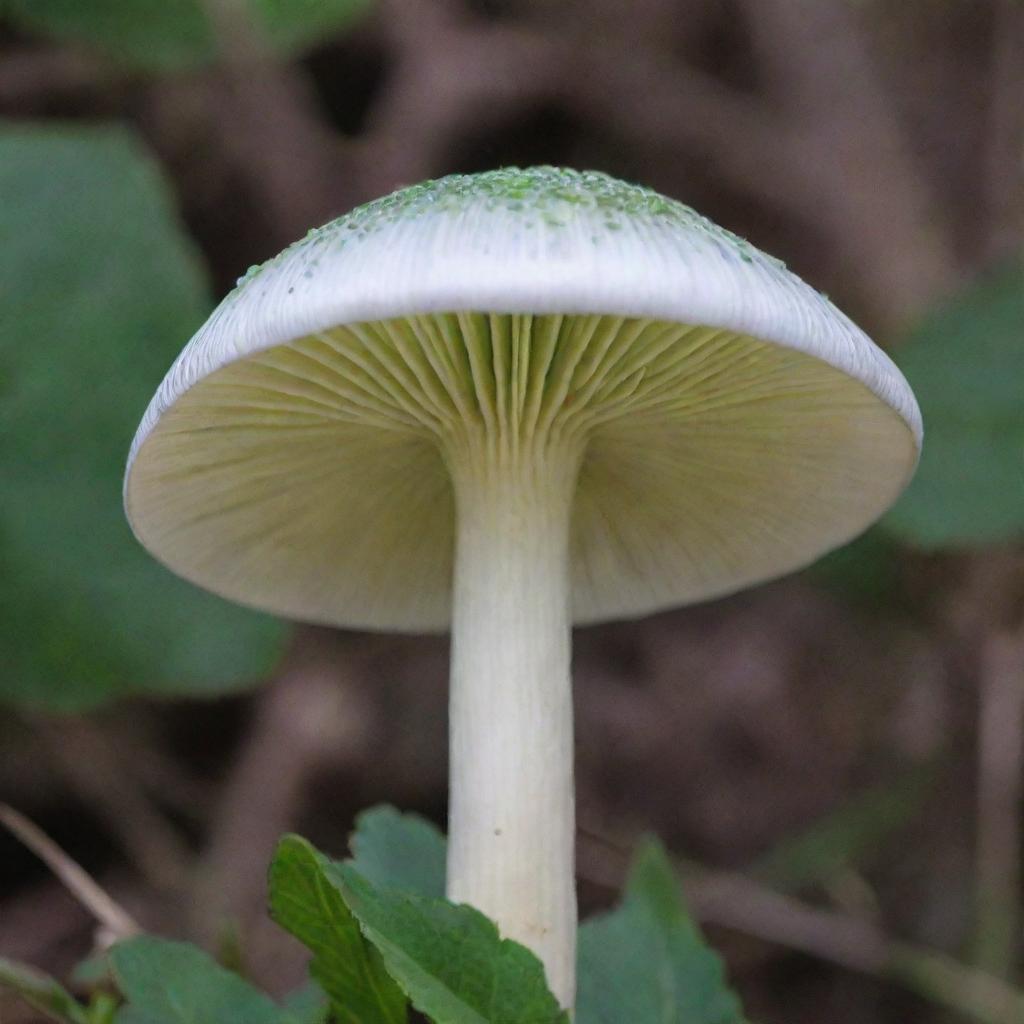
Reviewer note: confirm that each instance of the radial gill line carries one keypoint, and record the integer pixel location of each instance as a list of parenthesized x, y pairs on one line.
[(499, 328), (477, 346), (675, 387), (362, 383), (749, 382), (724, 358), (431, 334), (563, 368), (267, 408), (417, 356), (359, 406), (281, 362), (609, 330), (593, 378), (543, 343), (521, 332), (609, 391), (453, 345), (295, 401), (396, 376), (413, 371), (513, 380), (692, 352)]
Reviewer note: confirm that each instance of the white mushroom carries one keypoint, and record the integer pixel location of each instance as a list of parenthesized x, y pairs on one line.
[(507, 402)]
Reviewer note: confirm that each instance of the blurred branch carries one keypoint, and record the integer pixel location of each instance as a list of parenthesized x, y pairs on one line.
[(79, 883), (30, 79), (875, 200), (312, 712), (269, 127), (36, 920), (1000, 797), (160, 775), (653, 102), (92, 769), (450, 73), (824, 146), (1004, 165), (733, 901)]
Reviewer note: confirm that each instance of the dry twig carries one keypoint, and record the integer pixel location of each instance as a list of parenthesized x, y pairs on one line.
[(92, 769), (1004, 170), (313, 711), (1000, 797), (113, 917)]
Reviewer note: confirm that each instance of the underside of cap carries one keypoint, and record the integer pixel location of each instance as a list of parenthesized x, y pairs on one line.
[(314, 479), (736, 424)]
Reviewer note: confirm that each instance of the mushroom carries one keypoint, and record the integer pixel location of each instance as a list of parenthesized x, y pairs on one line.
[(507, 402)]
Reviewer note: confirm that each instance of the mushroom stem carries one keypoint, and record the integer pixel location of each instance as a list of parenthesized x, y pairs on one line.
[(512, 807)]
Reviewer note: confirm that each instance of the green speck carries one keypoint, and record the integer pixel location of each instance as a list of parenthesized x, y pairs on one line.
[(550, 195)]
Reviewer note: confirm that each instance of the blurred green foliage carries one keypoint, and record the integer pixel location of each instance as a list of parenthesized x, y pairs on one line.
[(966, 365), (866, 572), (42, 992), (99, 289), (175, 983), (175, 35)]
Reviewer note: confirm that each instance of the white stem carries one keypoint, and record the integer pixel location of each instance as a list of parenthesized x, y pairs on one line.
[(512, 808)]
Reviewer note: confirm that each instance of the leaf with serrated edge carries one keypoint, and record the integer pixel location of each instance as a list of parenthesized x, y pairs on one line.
[(646, 962), (304, 902), (449, 958), (393, 850)]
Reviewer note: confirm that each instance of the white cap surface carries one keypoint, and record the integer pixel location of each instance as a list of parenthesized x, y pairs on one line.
[(738, 425)]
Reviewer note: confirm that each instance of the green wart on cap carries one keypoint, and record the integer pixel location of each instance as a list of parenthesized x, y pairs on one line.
[(506, 402)]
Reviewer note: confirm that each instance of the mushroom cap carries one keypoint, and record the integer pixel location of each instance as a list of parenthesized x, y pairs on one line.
[(740, 425)]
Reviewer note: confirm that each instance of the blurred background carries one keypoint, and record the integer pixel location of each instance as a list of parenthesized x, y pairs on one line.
[(836, 758)]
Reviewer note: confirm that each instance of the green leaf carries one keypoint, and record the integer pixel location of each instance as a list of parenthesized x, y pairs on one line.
[(866, 572), (308, 1004), (449, 959), (174, 35), (392, 850), (167, 982), (99, 290), (295, 25), (966, 366), (103, 1008), (42, 992), (306, 903), (162, 35), (647, 962)]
